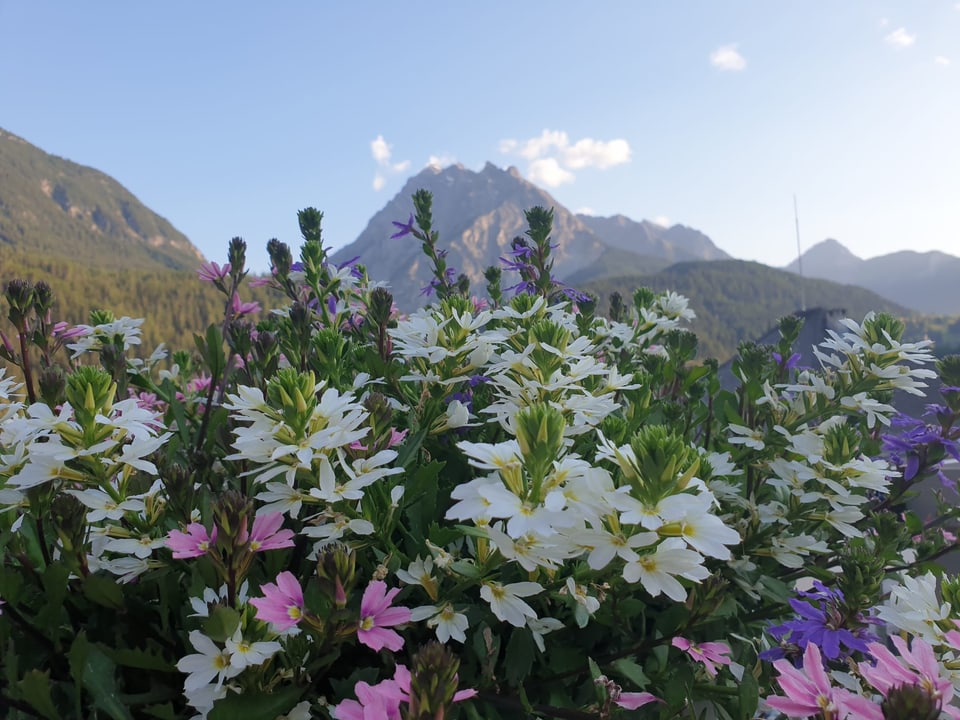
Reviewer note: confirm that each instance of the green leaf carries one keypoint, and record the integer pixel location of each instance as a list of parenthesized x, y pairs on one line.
[(35, 689), (519, 656), (221, 624), (631, 671), (103, 590), (141, 659), (749, 696), (77, 657), (255, 706), (99, 677)]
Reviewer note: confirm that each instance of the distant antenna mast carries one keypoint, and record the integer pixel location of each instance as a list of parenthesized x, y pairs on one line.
[(796, 223)]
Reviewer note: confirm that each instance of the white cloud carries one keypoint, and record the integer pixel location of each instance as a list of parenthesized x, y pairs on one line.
[(663, 221), (900, 38), (585, 211), (727, 57), (942, 60), (440, 161), (552, 157), (382, 153), (547, 171)]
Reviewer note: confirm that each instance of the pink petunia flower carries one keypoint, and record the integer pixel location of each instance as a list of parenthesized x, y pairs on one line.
[(809, 693), (710, 654), (266, 533), (282, 603), (382, 701), (192, 543), (376, 616)]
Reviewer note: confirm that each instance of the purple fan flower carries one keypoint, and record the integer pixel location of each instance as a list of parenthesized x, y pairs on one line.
[(823, 620), (791, 362), (403, 229)]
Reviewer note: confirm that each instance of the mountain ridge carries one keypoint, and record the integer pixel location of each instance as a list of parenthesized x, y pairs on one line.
[(45, 198)]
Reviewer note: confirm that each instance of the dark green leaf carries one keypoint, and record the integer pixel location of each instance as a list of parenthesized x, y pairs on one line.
[(99, 677), (256, 706), (221, 624), (35, 689), (631, 671), (103, 590)]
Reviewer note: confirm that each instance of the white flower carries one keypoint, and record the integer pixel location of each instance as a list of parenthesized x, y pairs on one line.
[(102, 506), (505, 600), (447, 621), (873, 409), (913, 606), (584, 600), (658, 572), (751, 437), (791, 551), (541, 626), (243, 654), (141, 546), (209, 663)]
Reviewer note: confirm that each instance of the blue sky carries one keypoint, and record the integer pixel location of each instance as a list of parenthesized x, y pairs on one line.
[(227, 117)]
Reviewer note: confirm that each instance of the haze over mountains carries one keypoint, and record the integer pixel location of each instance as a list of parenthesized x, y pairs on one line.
[(85, 233), (928, 282)]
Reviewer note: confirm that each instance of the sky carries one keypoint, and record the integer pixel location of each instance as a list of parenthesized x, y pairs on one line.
[(228, 117)]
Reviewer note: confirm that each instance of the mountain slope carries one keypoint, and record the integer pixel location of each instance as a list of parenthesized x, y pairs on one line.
[(926, 281), (477, 215), (677, 243), (56, 207), (737, 300)]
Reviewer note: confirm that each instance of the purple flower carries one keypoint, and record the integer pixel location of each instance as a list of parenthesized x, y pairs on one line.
[(822, 620), (403, 229), (791, 362)]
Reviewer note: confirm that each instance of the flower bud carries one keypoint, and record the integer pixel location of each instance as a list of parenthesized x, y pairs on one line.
[(337, 572), (237, 256), (539, 430), (433, 683), (664, 461), (90, 392), (295, 394), (19, 295), (280, 258), (52, 384), (69, 519), (230, 513), (310, 220), (910, 702)]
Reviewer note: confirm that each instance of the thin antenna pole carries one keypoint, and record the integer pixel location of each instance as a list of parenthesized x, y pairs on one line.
[(796, 222)]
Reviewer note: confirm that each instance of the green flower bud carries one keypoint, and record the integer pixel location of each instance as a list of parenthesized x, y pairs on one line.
[(618, 311), (280, 258), (42, 298), (337, 572), (665, 463), (433, 683), (52, 384), (841, 444), (69, 519), (910, 702), (380, 307), (237, 256), (231, 512), (876, 329), (295, 394), (539, 430), (311, 220), (19, 295), (90, 392)]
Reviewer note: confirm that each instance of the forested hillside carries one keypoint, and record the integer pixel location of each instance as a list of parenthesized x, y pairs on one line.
[(736, 300), (175, 304)]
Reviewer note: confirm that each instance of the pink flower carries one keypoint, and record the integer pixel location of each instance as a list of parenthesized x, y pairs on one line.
[(809, 693), (376, 616), (243, 308), (633, 700), (396, 437), (267, 535), (374, 702), (63, 331), (213, 273), (281, 604), (193, 543), (921, 668), (710, 654)]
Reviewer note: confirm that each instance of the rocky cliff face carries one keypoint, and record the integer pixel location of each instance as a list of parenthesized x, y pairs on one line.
[(477, 215)]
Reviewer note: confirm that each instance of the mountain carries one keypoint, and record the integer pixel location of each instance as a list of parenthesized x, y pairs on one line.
[(737, 300), (477, 215), (926, 282), (677, 243), (56, 207)]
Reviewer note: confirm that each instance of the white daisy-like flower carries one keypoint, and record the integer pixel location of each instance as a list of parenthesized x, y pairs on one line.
[(505, 600), (211, 662)]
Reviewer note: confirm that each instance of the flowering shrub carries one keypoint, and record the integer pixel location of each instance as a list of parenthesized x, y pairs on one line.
[(495, 509)]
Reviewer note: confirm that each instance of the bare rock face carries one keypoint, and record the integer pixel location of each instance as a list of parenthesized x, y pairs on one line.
[(477, 215)]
